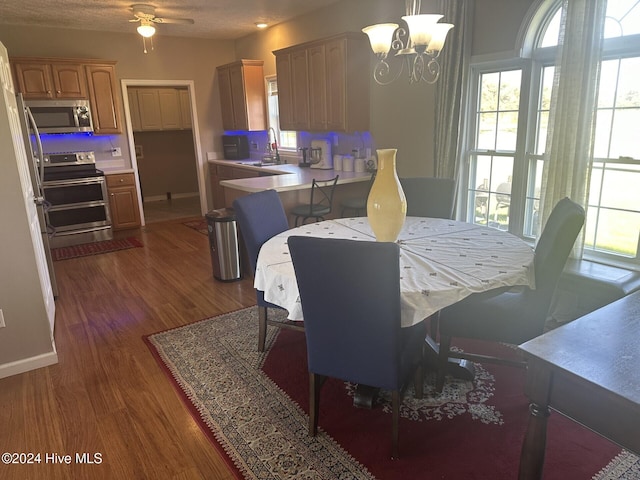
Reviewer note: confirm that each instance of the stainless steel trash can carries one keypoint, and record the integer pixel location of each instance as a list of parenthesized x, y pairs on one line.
[(223, 244)]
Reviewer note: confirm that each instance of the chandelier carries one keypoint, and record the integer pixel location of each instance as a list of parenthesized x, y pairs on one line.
[(417, 46)]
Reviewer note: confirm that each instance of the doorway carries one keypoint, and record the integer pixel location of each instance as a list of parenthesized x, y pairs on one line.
[(167, 159)]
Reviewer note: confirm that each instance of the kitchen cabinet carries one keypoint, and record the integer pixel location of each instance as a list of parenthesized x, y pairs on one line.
[(103, 96), (45, 80), (123, 201), (335, 84), (224, 172), (293, 90), (242, 95), (134, 110), (185, 108), (155, 109), (41, 78)]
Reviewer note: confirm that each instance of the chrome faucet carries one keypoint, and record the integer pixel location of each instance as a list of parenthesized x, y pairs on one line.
[(274, 144)]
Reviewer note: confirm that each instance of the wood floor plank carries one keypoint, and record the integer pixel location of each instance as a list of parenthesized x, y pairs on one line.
[(107, 394)]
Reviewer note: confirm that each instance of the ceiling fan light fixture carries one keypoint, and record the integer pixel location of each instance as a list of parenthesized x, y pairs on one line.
[(146, 28), (262, 25)]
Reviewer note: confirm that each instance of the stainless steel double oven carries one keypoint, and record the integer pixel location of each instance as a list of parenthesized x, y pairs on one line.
[(76, 196)]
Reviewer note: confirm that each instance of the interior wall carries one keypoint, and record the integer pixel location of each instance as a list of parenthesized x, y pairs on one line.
[(167, 164)]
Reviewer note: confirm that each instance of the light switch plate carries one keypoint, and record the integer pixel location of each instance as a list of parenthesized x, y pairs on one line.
[(116, 152)]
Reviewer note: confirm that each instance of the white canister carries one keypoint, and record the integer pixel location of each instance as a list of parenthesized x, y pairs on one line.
[(347, 163), (337, 162), (359, 165)]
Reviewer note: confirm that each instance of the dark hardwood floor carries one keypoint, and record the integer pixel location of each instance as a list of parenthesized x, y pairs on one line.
[(107, 395)]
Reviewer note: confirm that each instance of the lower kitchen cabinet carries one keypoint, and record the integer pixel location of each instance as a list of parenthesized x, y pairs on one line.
[(123, 201), (224, 172)]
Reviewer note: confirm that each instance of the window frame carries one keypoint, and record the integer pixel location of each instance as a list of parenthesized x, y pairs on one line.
[(532, 61)]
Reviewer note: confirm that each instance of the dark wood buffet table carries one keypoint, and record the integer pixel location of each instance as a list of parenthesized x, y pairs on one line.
[(587, 370)]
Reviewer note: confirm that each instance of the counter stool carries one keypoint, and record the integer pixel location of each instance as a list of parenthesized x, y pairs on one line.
[(322, 192)]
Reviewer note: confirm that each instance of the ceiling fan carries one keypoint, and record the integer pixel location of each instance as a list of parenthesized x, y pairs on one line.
[(145, 14)]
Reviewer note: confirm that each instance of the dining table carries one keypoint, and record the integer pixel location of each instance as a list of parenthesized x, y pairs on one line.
[(442, 261)]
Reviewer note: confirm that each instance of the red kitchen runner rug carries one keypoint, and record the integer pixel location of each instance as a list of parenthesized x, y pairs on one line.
[(199, 225), (64, 253), (252, 407)]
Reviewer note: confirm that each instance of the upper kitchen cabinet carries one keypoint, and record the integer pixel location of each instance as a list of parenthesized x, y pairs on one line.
[(103, 97), (336, 93), (154, 109), (55, 78), (44, 80), (242, 95), (293, 90)]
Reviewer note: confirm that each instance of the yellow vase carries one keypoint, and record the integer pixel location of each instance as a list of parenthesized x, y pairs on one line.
[(386, 205)]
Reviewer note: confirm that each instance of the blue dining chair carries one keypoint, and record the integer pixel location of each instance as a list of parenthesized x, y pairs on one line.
[(261, 216), (350, 294), (516, 315), (429, 196)]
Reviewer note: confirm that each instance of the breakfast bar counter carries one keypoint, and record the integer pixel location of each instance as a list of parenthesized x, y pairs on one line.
[(284, 177), (233, 179)]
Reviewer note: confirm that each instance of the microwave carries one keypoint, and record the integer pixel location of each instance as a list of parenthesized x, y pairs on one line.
[(61, 116), (236, 147)]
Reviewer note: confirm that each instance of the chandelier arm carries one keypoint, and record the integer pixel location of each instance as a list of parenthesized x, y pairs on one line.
[(382, 70), (432, 71)]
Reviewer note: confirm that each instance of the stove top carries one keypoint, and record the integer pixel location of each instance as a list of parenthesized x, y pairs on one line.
[(71, 173)]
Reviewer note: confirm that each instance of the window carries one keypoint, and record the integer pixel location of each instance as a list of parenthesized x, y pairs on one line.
[(507, 134), (287, 140)]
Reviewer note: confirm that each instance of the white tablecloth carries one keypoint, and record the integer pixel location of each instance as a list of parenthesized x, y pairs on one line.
[(441, 262)]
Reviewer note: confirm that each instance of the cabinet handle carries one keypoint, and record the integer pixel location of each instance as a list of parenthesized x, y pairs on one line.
[(112, 194), (58, 92), (121, 180)]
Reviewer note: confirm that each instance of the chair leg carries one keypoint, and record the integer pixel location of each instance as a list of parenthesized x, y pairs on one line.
[(262, 328), (434, 321), (443, 360), (315, 384), (418, 380), (395, 420)]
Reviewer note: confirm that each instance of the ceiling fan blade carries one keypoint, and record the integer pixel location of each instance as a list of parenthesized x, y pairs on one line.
[(174, 20)]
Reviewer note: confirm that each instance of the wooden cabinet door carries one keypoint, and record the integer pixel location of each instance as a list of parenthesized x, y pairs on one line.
[(134, 109), (238, 98), (34, 80), (69, 80), (149, 103), (226, 99), (299, 90), (169, 108), (101, 80), (123, 201), (336, 84), (317, 88), (285, 92), (185, 108)]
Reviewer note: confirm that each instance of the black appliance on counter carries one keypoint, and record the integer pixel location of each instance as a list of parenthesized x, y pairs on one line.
[(235, 147)]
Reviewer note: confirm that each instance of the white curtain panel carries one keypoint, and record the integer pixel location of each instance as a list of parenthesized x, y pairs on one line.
[(569, 146)]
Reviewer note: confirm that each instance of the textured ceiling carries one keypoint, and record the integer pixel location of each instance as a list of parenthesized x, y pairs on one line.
[(216, 19)]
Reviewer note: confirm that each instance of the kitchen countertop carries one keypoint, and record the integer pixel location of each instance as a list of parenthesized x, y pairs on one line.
[(284, 177)]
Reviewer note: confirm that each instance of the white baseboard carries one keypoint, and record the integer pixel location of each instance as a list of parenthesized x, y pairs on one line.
[(159, 198), (27, 364)]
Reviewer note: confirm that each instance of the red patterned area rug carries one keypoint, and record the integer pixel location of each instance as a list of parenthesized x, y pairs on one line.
[(253, 408), (199, 225), (64, 253)]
